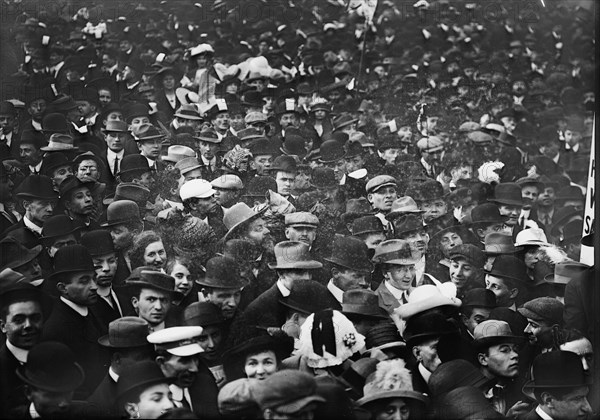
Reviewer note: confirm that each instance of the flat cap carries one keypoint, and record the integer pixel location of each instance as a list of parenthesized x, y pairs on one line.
[(544, 309), (228, 182), (430, 144), (380, 181), (179, 341), (302, 219), (196, 188)]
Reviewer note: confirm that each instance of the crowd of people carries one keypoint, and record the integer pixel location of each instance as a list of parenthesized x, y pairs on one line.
[(297, 210)]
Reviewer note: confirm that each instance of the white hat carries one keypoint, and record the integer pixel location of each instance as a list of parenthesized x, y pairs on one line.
[(201, 49), (179, 341), (196, 188), (429, 296), (532, 237)]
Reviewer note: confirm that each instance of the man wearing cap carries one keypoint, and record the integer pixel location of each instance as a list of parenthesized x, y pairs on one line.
[(431, 149), (126, 341), (208, 144), (498, 357), (508, 280), (198, 198), (559, 386), (381, 193), (302, 227), (543, 315), (228, 189), (193, 386), (71, 321), (21, 320), (350, 266)]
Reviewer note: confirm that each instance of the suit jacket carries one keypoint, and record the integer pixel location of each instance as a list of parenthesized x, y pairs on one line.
[(387, 301), (204, 393), (579, 312), (532, 415), (12, 389), (77, 410), (81, 335), (23, 235), (105, 396), (207, 172), (105, 314)]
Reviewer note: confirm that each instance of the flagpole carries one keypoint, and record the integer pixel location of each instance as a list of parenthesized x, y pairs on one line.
[(362, 53)]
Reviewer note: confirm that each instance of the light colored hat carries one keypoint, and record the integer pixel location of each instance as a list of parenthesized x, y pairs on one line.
[(492, 332), (196, 188), (531, 237), (187, 164), (403, 205), (201, 49), (380, 181), (429, 296), (179, 341), (177, 152), (564, 271), (293, 255), (302, 219), (59, 142), (228, 182), (188, 112), (430, 144), (395, 251), (237, 216), (254, 117)]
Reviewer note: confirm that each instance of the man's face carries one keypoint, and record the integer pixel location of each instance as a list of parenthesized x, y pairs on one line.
[(433, 209), (546, 197), (221, 121), (431, 124), (146, 180), (302, 180), (150, 148), (583, 348), (226, 299), (80, 288), (288, 120), (115, 141), (206, 205), (36, 109), (88, 169), (573, 405), (183, 368), (461, 272), (114, 116), (550, 150), (154, 401), (285, 181), (152, 305), (6, 188), (448, 241), (262, 163), (477, 317), (529, 193), (210, 340), (347, 279), (29, 154), (339, 169), (301, 234), (226, 198), (462, 172), (417, 240), (510, 211), (390, 155), (74, 115), (400, 276), (81, 201), (31, 270), (237, 121), (38, 211), (354, 163), (519, 87), (259, 234), (61, 242), (86, 109), (23, 324), (137, 121), (535, 329), (50, 404), (374, 239), (504, 295), (122, 237), (106, 268), (502, 360), (427, 354), (59, 174), (383, 198), (208, 150), (104, 96)]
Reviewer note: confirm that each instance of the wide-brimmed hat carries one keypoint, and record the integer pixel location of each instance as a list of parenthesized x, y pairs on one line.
[(36, 186), (556, 369), (332, 151), (492, 332), (188, 112), (351, 253), (238, 216), (126, 332), (293, 255), (176, 153), (121, 211), (428, 296), (222, 273), (147, 132), (565, 271), (59, 142), (72, 259), (139, 376), (208, 135), (57, 226), (52, 161), (479, 298), (402, 206), (203, 314), (395, 251), (366, 224), (343, 120), (498, 243), (155, 280), (284, 163), (134, 162), (356, 207), (531, 237), (512, 268), (13, 254), (362, 302), (508, 193), (486, 213), (308, 297), (51, 367)]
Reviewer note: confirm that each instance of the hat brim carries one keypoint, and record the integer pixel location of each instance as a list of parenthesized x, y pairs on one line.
[(412, 308), (105, 342), (208, 139), (238, 225), (297, 405), (299, 265), (508, 202), (176, 295), (490, 341), (531, 243), (118, 221), (395, 214), (65, 386), (414, 395), (400, 261), (41, 197), (385, 346), (378, 187), (26, 257), (364, 310), (145, 384), (345, 264), (187, 350), (58, 148)]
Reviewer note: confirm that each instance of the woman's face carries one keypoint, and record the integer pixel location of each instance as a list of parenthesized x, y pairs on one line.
[(393, 409), (261, 366), (183, 280), (155, 255), (154, 401)]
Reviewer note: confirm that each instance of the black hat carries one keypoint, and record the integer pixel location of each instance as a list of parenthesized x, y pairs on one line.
[(383, 336), (55, 122), (202, 314), (253, 99), (51, 367), (18, 291), (486, 213), (512, 268), (122, 211), (353, 148), (72, 259), (362, 302), (308, 297), (139, 376), (156, 280), (259, 186), (557, 369), (284, 163), (426, 325), (235, 356), (36, 186), (98, 242), (52, 161), (508, 193), (13, 254), (57, 226), (426, 191), (223, 273), (367, 224), (332, 151), (70, 183), (350, 252), (408, 223), (134, 162), (479, 298)]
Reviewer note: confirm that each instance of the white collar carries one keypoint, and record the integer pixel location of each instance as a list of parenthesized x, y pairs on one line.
[(424, 372), (540, 412), (284, 290), (556, 158), (150, 162), (7, 137), (397, 293), (37, 168), (211, 162), (337, 293), (31, 226), (113, 375), (426, 165), (19, 353), (111, 154), (36, 125), (180, 393), (33, 413), (81, 310)]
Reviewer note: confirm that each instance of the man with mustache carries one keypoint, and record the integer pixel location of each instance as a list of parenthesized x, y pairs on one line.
[(194, 387), (543, 314)]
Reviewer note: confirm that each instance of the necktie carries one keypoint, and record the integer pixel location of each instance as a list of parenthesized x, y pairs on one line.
[(116, 166)]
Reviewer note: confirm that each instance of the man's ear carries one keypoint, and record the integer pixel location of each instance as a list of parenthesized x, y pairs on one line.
[(464, 319), (61, 287), (132, 410), (370, 198), (479, 232), (139, 145), (287, 232), (334, 271), (3, 326), (416, 352), (547, 399), (482, 359), (160, 360), (268, 414), (514, 292), (134, 302)]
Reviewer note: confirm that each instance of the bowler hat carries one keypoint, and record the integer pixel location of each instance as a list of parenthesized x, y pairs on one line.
[(139, 376), (202, 314), (565, 271), (285, 106), (72, 259), (356, 207), (135, 110), (13, 254), (98, 242), (59, 142), (498, 243), (36, 186), (148, 132), (52, 161), (383, 336), (332, 151), (479, 298), (363, 303), (425, 326), (556, 369), (293, 145), (408, 223), (323, 178), (567, 193), (259, 186), (7, 108), (507, 193), (261, 146), (54, 122), (51, 367), (486, 213), (351, 253), (492, 332), (426, 191), (134, 162), (293, 255), (366, 224), (115, 126), (469, 252), (512, 268), (353, 148), (122, 211), (71, 183), (253, 99), (238, 216), (309, 297), (63, 104), (222, 273), (544, 309), (33, 137), (156, 280), (284, 163), (57, 226), (126, 332)]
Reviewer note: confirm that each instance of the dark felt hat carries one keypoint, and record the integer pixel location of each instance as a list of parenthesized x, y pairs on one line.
[(469, 252), (425, 326), (508, 193), (332, 151), (512, 268), (308, 297), (52, 161), (156, 280), (284, 163), (57, 226), (98, 242), (222, 272), (408, 223), (383, 336), (135, 110), (126, 332), (202, 314), (356, 207), (486, 213), (557, 369), (454, 374), (134, 162), (366, 224), (323, 178), (479, 298), (71, 183), (363, 303), (55, 122), (139, 376), (351, 253), (13, 254), (122, 211), (72, 259), (426, 191), (36, 186), (258, 186)]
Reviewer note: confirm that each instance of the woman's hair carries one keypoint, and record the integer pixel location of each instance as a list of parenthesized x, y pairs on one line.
[(140, 243)]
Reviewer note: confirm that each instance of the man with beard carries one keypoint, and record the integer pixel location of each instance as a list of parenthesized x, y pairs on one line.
[(543, 315), (21, 320), (71, 321), (244, 223), (37, 196), (212, 338), (198, 198), (193, 387), (110, 305)]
